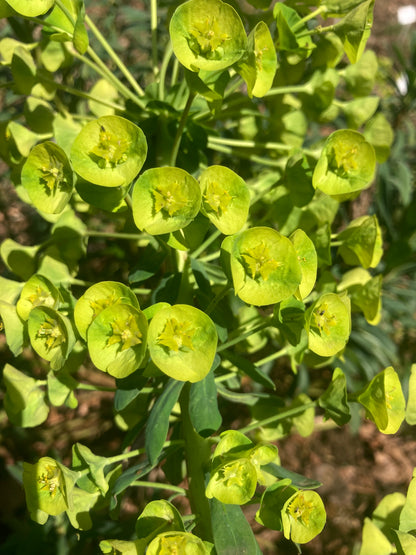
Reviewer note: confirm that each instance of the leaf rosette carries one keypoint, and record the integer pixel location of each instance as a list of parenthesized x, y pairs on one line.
[(37, 291), (303, 516), (384, 401), (165, 200), (109, 151), (96, 298), (48, 488), (346, 166), (176, 542), (51, 335), (328, 324), (264, 266), (117, 339), (182, 342), (48, 178), (225, 198), (207, 35)]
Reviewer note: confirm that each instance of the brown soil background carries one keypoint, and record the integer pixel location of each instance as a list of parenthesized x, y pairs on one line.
[(356, 469)]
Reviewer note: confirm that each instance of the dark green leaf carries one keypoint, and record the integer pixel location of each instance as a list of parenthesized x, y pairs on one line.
[(203, 406)]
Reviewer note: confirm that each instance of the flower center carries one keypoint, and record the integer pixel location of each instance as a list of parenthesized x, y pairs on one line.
[(177, 335), (259, 261)]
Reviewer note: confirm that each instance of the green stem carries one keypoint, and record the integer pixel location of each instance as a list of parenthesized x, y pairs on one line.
[(206, 243), (220, 295), (163, 69), (277, 417), (114, 235), (198, 454), (157, 485), (336, 243), (80, 282), (90, 387), (290, 89), (244, 335), (273, 356), (114, 57), (317, 31), (221, 144), (311, 15), (138, 452), (153, 27), (181, 127)]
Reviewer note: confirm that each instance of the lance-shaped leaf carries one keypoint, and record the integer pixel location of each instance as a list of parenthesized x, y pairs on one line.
[(334, 399), (177, 542), (308, 260), (361, 242), (165, 200), (117, 339), (207, 35), (109, 151), (264, 266), (182, 342), (31, 8), (51, 335), (259, 66), (225, 198), (364, 292), (384, 401), (47, 177), (346, 165), (48, 488), (37, 291), (328, 324), (24, 400), (303, 516), (96, 298)]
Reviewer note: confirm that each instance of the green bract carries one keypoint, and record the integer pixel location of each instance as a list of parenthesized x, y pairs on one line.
[(225, 198), (361, 242), (109, 151), (346, 165), (234, 482), (328, 323), (165, 200), (117, 339), (37, 291), (207, 34), (182, 543), (364, 292), (48, 488), (182, 342), (259, 66), (51, 335), (384, 401), (47, 177), (308, 260), (303, 516), (98, 297), (264, 266), (31, 8)]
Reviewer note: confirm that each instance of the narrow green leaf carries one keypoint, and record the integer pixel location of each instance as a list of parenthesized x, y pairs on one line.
[(203, 406)]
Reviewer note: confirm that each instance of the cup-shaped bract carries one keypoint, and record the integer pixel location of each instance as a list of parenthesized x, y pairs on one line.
[(176, 542), (264, 266), (31, 8), (182, 342), (384, 401), (346, 165), (234, 482), (328, 324), (51, 335), (37, 291), (207, 35), (48, 486), (364, 292), (165, 199), (258, 68), (48, 178), (361, 242), (96, 298), (225, 198), (303, 516), (109, 151), (308, 260), (117, 339)]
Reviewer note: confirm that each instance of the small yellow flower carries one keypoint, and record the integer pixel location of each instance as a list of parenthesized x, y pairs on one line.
[(126, 332), (170, 198), (259, 261), (51, 331), (217, 197), (111, 149), (177, 335)]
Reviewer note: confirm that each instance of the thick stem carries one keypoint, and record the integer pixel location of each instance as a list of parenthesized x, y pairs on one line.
[(197, 453), (181, 127)]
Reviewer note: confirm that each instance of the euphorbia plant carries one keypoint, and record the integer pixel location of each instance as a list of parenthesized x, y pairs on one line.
[(235, 256)]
